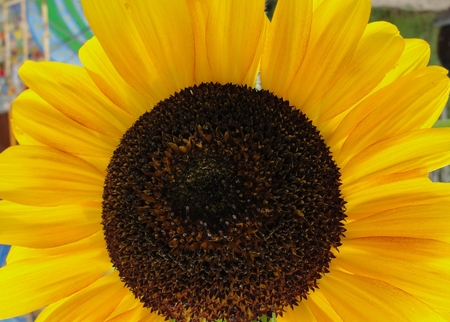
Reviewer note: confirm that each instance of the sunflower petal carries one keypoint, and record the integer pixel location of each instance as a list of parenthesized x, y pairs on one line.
[(315, 308), (170, 46), (108, 80), (105, 293), (286, 44), (301, 312), (100, 164), (199, 11), (425, 148), (417, 266), (47, 125), (419, 221), (41, 227), (153, 318), (317, 3), (377, 52), (129, 309), (415, 56), (388, 95), (95, 241), (42, 176), (70, 90), (337, 27), (321, 308), (372, 300), (135, 314), (419, 107), (235, 28), (22, 137), (112, 21), (34, 278), (393, 191)]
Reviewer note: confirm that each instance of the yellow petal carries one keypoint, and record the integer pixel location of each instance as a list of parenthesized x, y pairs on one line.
[(41, 227), (135, 314), (42, 176), (170, 46), (389, 93), (301, 312), (419, 221), (286, 44), (235, 34), (129, 305), (314, 308), (419, 106), (417, 266), (153, 318), (358, 298), (425, 148), (321, 308), (317, 3), (22, 137), (108, 80), (44, 123), (93, 303), (95, 241), (129, 309), (337, 27), (115, 29), (199, 11), (377, 52), (100, 164), (32, 282), (415, 56), (70, 90), (392, 191)]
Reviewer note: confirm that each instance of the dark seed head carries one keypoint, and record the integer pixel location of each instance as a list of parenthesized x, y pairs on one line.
[(222, 202)]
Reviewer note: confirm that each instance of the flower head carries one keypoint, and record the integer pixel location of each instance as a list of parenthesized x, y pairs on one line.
[(155, 183)]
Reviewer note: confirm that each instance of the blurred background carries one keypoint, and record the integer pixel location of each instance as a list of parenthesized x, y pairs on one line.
[(56, 29)]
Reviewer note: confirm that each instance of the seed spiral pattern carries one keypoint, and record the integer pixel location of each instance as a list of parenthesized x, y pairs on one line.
[(222, 202)]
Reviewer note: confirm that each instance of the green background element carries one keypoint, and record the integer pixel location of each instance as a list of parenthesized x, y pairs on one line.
[(412, 24), (59, 27)]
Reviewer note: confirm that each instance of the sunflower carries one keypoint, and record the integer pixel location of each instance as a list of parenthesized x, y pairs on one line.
[(156, 183)]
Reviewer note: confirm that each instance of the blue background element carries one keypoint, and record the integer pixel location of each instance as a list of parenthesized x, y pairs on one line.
[(4, 249), (68, 27)]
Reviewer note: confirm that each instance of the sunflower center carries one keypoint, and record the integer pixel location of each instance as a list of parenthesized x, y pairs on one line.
[(222, 202), (206, 188)]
